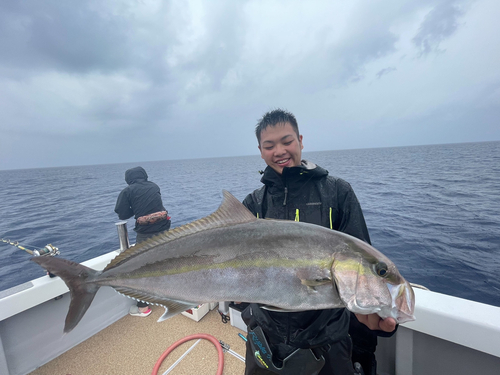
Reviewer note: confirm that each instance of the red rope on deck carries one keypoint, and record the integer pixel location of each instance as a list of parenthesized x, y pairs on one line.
[(188, 338)]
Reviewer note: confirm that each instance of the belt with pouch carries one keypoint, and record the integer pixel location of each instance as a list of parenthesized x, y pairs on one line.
[(153, 218)]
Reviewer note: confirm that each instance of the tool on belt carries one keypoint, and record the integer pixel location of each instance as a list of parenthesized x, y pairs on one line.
[(301, 361)]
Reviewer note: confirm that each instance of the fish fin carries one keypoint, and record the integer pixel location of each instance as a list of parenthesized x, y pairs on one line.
[(172, 307), (230, 212), (78, 279), (175, 307)]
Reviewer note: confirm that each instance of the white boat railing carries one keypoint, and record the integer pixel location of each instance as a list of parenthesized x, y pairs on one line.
[(449, 336), (464, 322)]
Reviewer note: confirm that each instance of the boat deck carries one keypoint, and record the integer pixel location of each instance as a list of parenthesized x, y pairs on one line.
[(133, 345)]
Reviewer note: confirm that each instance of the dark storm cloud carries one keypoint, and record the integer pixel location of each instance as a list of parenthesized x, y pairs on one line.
[(68, 36), (178, 73), (110, 39), (440, 23)]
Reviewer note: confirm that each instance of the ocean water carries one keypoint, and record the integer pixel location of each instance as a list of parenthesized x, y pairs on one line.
[(434, 210)]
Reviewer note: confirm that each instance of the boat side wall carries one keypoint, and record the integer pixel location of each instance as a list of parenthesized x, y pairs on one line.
[(34, 337), (450, 336), (32, 320), (415, 353), (464, 322), (31, 294)]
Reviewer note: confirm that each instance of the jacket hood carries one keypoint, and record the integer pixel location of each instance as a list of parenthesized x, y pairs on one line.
[(271, 177), (134, 174)]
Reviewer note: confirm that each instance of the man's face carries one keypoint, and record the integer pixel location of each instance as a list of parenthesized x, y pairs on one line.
[(280, 147)]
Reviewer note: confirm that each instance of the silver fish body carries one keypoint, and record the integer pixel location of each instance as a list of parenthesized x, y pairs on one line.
[(232, 256)]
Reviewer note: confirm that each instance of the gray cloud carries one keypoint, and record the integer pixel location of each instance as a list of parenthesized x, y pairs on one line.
[(440, 23), (118, 81), (385, 71), (71, 37)]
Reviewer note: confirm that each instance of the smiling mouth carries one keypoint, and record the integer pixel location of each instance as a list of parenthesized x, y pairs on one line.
[(284, 161)]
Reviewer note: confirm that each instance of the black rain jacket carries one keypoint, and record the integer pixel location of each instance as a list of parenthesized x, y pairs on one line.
[(306, 193), (140, 198)]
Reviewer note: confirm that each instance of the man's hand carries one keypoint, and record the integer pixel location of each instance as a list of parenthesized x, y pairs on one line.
[(375, 322)]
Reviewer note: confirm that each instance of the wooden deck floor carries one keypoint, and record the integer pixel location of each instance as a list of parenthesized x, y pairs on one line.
[(132, 346)]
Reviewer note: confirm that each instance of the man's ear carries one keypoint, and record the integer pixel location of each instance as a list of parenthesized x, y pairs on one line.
[(300, 141)]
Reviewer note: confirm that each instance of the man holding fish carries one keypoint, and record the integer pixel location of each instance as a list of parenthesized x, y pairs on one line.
[(281, 265), (298, 190)]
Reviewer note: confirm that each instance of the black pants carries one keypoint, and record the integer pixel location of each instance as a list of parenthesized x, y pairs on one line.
[(366, 360), (337, 361)]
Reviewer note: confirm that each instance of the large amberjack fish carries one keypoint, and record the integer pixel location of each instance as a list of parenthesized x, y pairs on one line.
[(231, 255)]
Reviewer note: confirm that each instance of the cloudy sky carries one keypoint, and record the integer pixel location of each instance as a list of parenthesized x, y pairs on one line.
[(97, 82)]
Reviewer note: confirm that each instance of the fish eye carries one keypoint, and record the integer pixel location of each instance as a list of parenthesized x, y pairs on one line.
[(381, 269)]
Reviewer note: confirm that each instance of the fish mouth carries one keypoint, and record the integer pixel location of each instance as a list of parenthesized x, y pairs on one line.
[(403, 303), (400, 307)]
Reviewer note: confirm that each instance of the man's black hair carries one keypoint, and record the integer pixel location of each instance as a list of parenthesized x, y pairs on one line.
[(275, 117)]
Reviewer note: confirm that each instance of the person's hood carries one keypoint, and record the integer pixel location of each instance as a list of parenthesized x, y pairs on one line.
[(270, 176), (134, 174)]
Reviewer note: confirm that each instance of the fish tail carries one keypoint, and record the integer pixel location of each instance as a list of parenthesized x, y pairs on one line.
[(78, 279)]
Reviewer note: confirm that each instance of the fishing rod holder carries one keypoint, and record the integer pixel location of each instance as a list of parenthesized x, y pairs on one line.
[(121, 227), (48, 250)]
